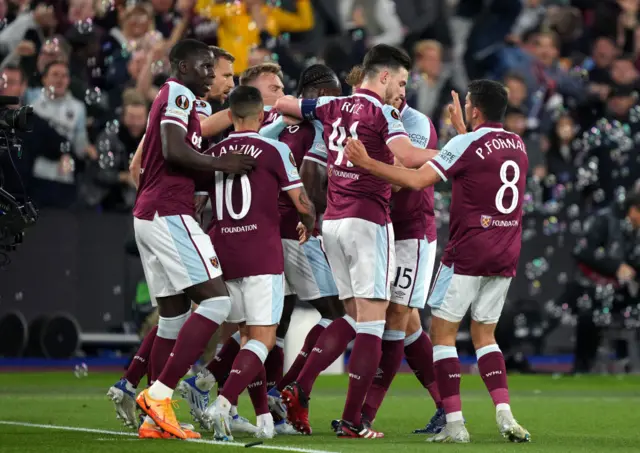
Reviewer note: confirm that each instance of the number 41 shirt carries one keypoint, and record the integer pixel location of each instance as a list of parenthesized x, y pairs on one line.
[(352, 191)]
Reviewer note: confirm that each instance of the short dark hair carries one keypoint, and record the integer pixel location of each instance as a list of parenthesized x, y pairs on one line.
[(252, 73), (317, 75), (185, 49), (245, 101), (490, 97), (219, 52), (16, 67), (385, 56), (53, 63)]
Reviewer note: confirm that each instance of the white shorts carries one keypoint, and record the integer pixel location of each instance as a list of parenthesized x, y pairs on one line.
[(175, 253), (256, 300), (415, 259), (361, 255), (453, 294), (306, 270)]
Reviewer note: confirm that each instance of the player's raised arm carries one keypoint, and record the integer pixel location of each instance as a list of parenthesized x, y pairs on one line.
[(215, 124), (418, 179), (136, 164)]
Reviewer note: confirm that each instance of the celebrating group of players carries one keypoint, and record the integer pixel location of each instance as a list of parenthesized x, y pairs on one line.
[(327, 199)]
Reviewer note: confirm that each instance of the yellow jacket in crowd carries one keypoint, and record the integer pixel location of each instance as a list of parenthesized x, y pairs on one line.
[(238, 32)]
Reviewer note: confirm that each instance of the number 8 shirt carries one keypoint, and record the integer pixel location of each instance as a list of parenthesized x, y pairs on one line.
[(488, 169)]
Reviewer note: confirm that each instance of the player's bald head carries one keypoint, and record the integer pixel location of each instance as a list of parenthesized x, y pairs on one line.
[(245, 102)]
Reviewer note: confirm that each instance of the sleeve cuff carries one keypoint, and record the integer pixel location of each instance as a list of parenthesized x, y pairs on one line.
[(438, 170)]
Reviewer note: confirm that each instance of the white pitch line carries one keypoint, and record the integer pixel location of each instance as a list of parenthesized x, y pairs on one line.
[(198, 441)]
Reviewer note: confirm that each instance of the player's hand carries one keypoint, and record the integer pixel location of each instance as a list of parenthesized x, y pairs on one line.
[(235, 163), (456, 115), (291, 120), (357, 153), (303, 233), (625, 273)]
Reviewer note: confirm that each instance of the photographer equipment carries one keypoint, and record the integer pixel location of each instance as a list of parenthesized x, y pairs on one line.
[(16, 213)]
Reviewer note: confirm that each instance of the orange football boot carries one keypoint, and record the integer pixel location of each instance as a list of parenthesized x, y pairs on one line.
[(161, 411)]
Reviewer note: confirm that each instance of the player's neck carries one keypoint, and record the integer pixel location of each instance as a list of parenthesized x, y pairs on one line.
[(373, 86), (247, 126), (475, 123)]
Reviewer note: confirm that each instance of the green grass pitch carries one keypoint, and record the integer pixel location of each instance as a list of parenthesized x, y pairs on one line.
[(566, 414)]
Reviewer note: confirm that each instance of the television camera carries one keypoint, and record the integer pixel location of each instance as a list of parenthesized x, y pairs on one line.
[(16, 212)]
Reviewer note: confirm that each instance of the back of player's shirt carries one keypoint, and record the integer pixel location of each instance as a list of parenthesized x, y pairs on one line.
[(246, 224), (488, 169), (412, 210), (352, 191), (164, 188)]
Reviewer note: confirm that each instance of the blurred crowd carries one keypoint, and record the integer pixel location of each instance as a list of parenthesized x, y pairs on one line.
[(91, 68)]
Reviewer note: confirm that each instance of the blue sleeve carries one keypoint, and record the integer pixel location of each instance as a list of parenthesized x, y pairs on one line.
[(318, 150), (274, 129), (445, 161), (419, 129), (289, 163), (392, 125)]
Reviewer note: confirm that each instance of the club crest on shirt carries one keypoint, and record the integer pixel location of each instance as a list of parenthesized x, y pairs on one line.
[(485, 221), (214, 262), (395, 115), (182, 102)]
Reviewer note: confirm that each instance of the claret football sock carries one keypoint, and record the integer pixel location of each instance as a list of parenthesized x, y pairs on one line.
[(248, 364), (418, 351), (257, 390), (193, 338), (221, 364), (309, 342), (331, 344), (494, 374), (274, 365), (139, 365), (363, 363), (448, 375), (392, 352), (166, 335)]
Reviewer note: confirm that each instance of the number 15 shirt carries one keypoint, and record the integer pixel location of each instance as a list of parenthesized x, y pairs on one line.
[(353, 191), (488, 170)]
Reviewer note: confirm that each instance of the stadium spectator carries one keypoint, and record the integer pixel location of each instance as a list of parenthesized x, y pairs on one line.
[(68, 117), (431, 80), (378, 17), (19, 183), (107, 181), (606, 258), (241, 23)]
